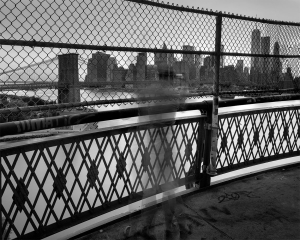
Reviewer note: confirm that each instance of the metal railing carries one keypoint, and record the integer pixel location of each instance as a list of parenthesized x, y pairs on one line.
[(60, 181)]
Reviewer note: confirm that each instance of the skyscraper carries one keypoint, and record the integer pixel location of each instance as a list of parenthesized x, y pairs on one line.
[(265, 61), (239, 66), (97, 67), (141, 65), (111, 66), (276, 63), (161, 57), (276, 66), (255, 49), (198, 66), (189, 58)]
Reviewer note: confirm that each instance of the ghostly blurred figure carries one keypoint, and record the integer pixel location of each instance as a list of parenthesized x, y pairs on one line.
[(157, 161)]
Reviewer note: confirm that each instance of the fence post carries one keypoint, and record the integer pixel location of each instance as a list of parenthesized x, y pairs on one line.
[(1, 228), (205, 151), (67, 78), (211, 168)]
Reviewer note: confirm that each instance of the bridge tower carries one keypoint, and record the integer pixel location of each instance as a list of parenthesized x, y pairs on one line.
[(68, 78)]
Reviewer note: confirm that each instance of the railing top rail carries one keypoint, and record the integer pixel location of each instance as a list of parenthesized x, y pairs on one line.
[(86, 134), (213, 13), (19, 127)]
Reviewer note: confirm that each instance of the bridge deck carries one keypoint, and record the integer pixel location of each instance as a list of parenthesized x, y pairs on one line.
[(262, 206)]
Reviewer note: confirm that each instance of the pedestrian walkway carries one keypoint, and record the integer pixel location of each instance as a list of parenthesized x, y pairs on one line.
[(261, 206)]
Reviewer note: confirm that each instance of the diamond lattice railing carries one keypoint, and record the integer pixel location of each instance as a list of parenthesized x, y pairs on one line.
[(252, 137), (55, 183)]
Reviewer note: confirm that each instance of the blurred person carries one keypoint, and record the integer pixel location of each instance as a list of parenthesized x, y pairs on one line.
[(157, 160)]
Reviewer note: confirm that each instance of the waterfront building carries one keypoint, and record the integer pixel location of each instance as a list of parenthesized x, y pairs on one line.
[(111, 66), (119, 75), (161, 58), (239, 66), (197, 66), (141, 65), (182, 67), (171, 59), (276, 65), (265, 61), (97, 67), (131, 73), (152, 73), (188, 58), (255, 49)]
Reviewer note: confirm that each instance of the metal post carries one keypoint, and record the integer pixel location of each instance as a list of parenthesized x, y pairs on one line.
[(211, 169), (1, 228)]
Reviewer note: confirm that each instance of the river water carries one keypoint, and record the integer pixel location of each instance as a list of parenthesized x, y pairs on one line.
[(88, 95)]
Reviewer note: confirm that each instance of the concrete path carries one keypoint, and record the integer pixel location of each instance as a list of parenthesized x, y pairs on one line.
[(264, 206)]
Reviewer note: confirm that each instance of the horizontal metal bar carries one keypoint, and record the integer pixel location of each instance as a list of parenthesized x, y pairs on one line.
[(130, 49), (257, 161), (213, 13), (62, 106), (258, 111), (74, 136), (96, 47), (18, 127), (23, 126), (90, 103), (244, 101), (257, 55)]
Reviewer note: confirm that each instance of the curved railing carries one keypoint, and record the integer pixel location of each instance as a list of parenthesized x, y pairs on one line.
[(57, 182)]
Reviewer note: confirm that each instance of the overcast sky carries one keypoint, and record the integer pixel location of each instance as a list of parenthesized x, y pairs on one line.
[(285, 10)]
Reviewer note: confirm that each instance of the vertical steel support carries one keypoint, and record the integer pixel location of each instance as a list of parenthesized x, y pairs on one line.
[(211, 169), (1, 228), (200, 151), (205, 178)]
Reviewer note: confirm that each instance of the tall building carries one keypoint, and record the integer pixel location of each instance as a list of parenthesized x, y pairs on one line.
[(255, 49), (141, 65), (197, 66), (130, 73), (239, 66), (111, 65), (97, 67), (189, 58), (171, 59), (265, 67), (276, 63), (152, 73), (182, 67), (276, 66), (119, 74), (161, 57)]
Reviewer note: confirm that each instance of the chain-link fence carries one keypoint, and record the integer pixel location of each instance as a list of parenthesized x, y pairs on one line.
[(79, 56)]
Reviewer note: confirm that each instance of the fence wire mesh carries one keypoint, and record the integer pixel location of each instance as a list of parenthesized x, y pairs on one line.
[(80, 56)]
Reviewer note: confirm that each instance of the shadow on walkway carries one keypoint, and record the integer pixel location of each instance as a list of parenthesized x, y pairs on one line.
[(264, 206)]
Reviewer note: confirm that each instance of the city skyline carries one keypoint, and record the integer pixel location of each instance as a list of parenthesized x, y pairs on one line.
[(194, 67), (105, 28)]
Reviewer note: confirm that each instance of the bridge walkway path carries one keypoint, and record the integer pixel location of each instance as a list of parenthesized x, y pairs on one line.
[(261, 206)]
